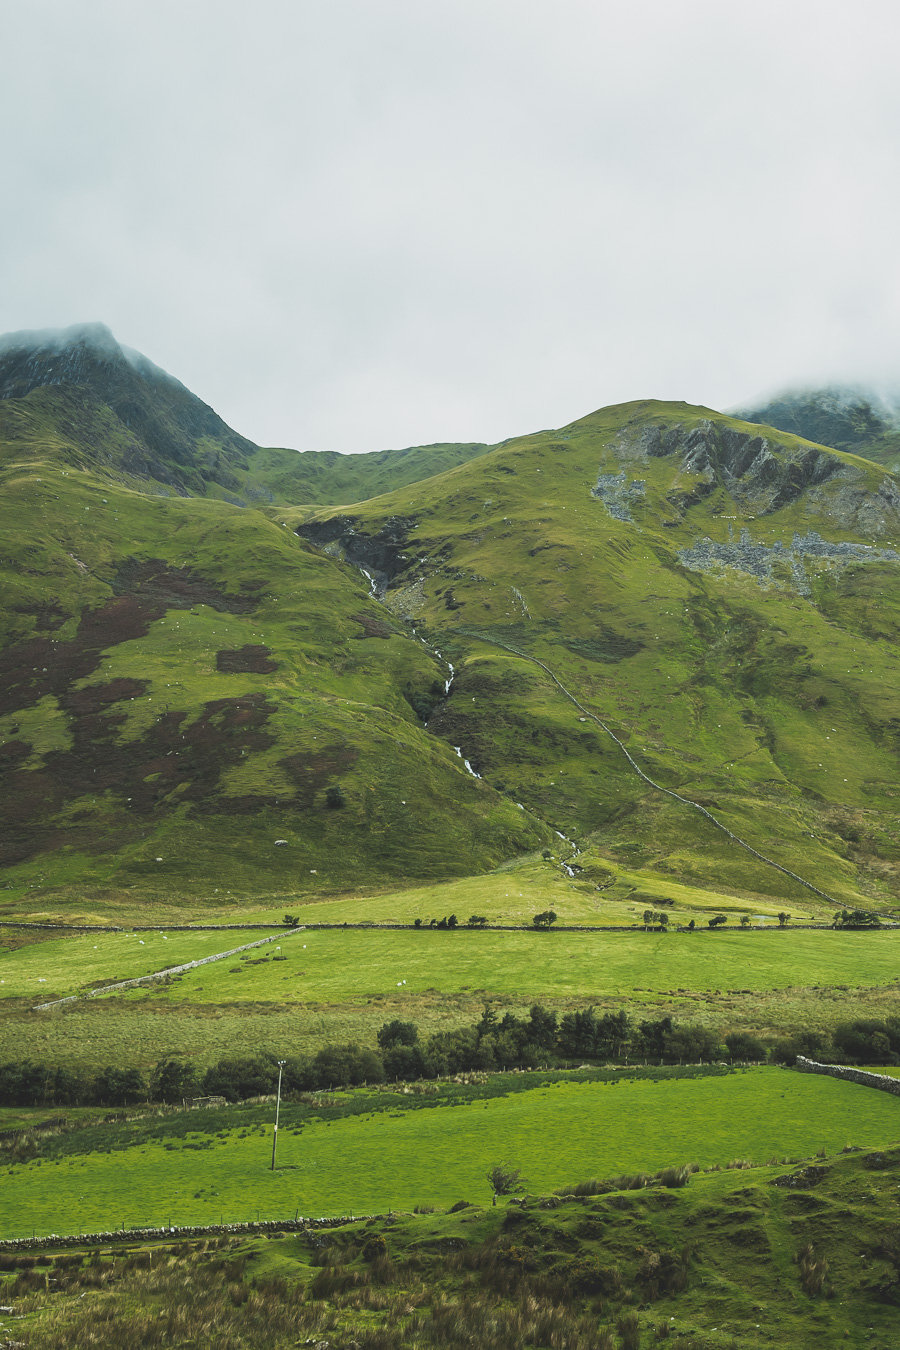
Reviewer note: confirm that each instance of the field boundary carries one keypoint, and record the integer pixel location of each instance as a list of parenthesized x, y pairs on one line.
[(882, 1081), (186, 1231), (161, 974)]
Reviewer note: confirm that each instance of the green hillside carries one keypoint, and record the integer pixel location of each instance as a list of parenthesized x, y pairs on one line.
[(724, 598), (654, 603), (183, 682), (323, 477)]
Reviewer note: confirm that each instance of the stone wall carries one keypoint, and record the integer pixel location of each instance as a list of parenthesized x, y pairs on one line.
[(882, 1081), (55, 1240)]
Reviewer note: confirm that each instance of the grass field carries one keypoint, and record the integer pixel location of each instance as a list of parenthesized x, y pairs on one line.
[(346, 966), (409, 1153), (55, 969), (324, 966)]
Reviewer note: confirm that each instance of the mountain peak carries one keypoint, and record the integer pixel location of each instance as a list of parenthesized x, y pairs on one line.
[(167, 434)]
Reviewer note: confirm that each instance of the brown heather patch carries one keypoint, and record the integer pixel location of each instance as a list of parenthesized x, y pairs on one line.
[(312, 771), (38, 666), (251, 659)]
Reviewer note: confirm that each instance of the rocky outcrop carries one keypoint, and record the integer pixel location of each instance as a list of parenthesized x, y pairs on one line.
[(760, 475), (770, 562), (619, 494), (381, 555)]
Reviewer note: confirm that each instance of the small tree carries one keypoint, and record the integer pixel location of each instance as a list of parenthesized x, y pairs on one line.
[(291, 920), (417, 923), (545, 919), (173, 1079), (453, 921), (717, 921), (782, 919), (504, 1180), (398, 1033), (477, 920), (745, 920)]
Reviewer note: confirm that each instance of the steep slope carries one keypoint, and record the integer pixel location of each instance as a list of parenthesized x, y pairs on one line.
[(849, 418), (727, 601), (153, 427), (183, 683)]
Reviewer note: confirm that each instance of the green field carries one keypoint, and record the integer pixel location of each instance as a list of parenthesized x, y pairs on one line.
[(401, 1155), (56, 969), (347, 966), (352, 965)]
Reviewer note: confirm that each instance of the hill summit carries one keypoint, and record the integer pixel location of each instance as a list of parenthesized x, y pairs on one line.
[(158, 430)]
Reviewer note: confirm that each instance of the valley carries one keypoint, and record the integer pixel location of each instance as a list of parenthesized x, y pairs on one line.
[(638, 673)]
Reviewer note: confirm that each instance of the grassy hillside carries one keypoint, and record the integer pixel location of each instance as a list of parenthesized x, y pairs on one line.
[(183, 682), (724, 600), (323, 477)]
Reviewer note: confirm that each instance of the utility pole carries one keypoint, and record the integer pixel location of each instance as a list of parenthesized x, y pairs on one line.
[(281, 1064)]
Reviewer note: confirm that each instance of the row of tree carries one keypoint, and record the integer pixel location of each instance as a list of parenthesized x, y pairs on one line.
[(542, 1039)]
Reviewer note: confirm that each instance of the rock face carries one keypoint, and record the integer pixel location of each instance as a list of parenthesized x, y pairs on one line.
[(758, 476), (173, 436), (381, 555)]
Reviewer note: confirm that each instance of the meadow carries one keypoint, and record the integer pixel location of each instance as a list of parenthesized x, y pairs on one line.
[(192, 1169), (352, 965)]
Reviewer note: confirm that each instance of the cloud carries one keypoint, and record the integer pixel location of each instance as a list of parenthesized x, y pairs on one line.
[(349, 225)]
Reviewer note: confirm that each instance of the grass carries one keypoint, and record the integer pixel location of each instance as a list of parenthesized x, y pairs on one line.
[(389, 1159), (724, 1261), (329, 967), (69, 965)]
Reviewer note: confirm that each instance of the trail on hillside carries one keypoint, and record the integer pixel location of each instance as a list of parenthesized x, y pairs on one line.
[(685, 801)]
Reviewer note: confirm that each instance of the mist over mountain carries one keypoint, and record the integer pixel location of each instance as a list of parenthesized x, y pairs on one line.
[(133, 419), (163, 432), (849, 417)]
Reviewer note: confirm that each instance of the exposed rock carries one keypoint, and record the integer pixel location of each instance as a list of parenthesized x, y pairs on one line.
[(381, 555), (762, 560), (618, 494)]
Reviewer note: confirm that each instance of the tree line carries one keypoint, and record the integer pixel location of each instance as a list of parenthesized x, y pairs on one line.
[(543, 1039)]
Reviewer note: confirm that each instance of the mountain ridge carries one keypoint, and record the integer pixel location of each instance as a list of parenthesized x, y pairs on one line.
[(186, 680)]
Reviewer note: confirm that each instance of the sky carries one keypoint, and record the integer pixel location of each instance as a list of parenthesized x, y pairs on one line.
[(359, 224)]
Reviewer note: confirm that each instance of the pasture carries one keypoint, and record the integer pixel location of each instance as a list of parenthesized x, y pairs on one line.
[(421, 1150), (345, 966)]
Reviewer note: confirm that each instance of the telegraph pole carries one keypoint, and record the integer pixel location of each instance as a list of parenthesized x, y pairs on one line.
[(281, 1064)]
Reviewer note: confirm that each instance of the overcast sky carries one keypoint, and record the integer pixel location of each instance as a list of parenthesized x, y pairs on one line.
[(353, 224)]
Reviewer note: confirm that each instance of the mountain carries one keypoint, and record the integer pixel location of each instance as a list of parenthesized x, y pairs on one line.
[(122, 412), (849, 418), (725, 599), (113, 410), (201, 699)]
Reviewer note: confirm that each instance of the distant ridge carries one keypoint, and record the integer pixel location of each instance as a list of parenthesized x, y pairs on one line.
[(163, 435)]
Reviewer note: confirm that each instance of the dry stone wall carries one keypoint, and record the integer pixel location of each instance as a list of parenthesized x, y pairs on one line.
[(882, 1081)]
